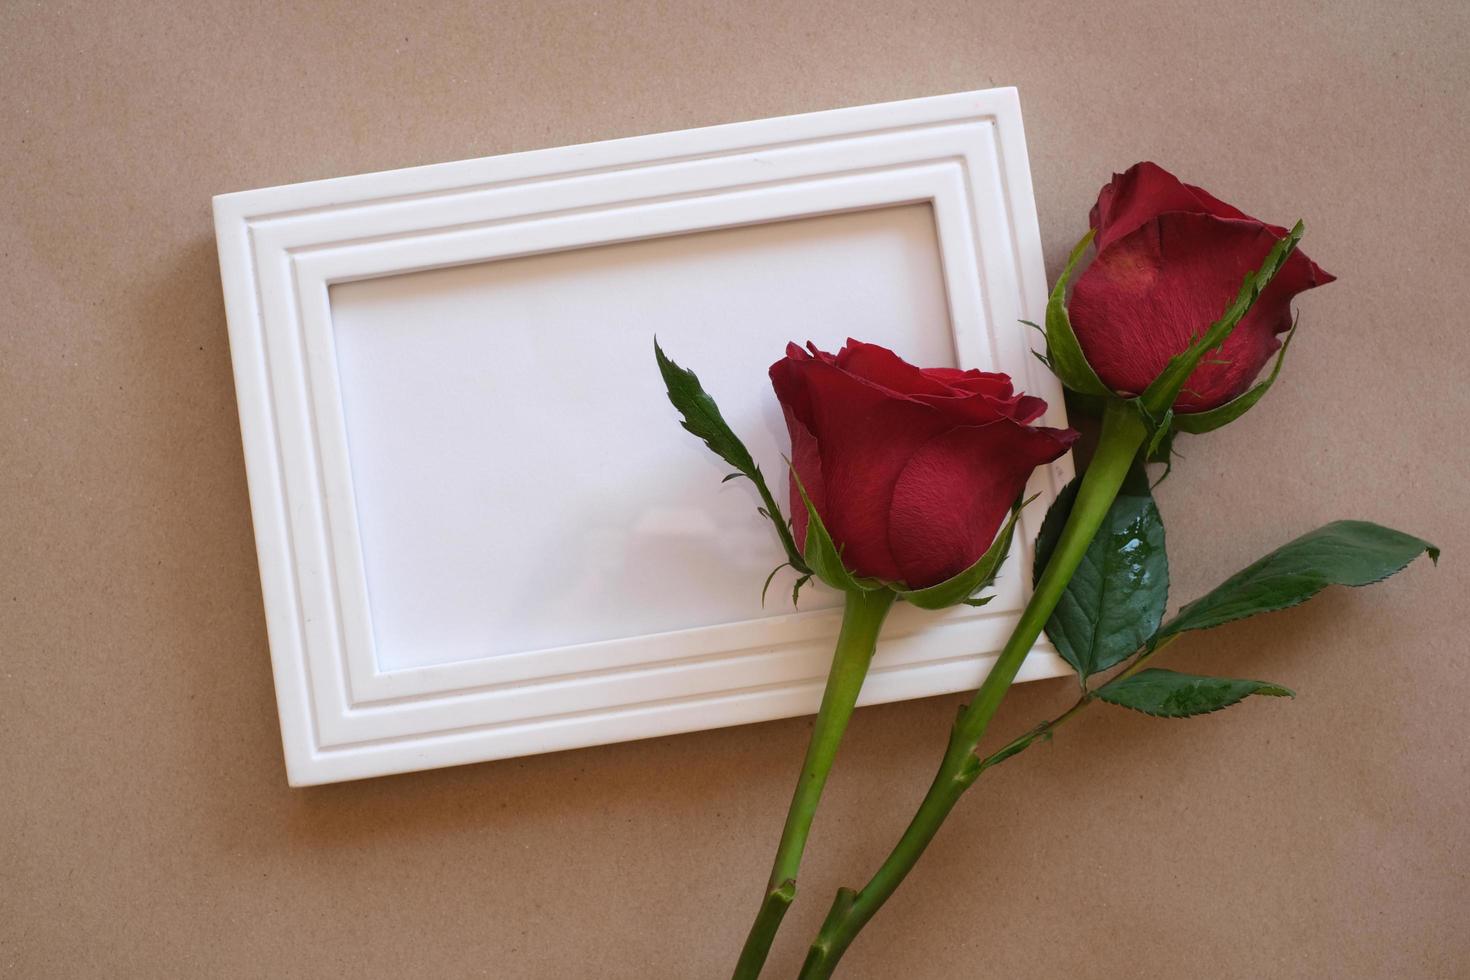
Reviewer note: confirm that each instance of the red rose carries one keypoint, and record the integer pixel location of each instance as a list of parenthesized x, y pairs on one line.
[(912, 470), (1170, 258)]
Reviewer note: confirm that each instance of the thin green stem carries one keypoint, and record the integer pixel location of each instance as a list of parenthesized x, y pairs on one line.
[(862, 618), (1123, 434), (783, 530), (1022, 742)]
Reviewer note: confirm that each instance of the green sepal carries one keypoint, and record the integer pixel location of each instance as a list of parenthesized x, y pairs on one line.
[(701, 417), (770, 578), (1116, 598), (960, 587), (1162, 439), (1197, 423), (822, 557), (1161, 394), (1063, 353), (1166, 694), (1161, 446), (1079, 404), (1353, 553), (796, 587)]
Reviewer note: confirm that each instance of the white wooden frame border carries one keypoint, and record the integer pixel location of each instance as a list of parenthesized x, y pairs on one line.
[(282, 248)]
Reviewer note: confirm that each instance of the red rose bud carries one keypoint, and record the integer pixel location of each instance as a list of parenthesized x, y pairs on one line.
[(912, 470), (1170, 258)]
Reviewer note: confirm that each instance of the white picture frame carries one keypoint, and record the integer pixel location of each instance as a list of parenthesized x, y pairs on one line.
[(368, 444)]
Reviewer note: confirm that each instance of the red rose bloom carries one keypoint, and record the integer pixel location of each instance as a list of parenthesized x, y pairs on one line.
[(1170, 258), (913, 471)]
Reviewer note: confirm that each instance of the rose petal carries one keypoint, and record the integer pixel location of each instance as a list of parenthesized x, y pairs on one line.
[(973, 381), (788, 379), (1210, 204), (806, 462), (883, 367), (1028, 408), (981, 383), (999, 397), (948, 375), (855, 422), (820, 355), (955, 490), (1143, 192), (982, 409), (864, 435), (1150, 292)]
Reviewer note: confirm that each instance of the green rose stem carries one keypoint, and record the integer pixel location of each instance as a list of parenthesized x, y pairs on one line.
[(1021, 743), (1123, 434), (862, 618)]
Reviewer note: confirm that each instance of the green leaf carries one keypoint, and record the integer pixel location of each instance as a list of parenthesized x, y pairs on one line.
[(1165, 694), (1160, 395), (822, 556), (959, 588), (1201, 422), (1352, 553), (1051, 527), (1063, 354), (1116, 598), (701, 417)]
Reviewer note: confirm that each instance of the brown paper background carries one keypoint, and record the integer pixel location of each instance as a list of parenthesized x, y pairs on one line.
[(146, 829)]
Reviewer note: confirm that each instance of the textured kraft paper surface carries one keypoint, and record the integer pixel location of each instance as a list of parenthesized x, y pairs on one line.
[(146, 829)]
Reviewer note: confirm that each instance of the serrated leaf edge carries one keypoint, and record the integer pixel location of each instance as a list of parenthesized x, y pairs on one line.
[(1169, 629), (1264, 689)]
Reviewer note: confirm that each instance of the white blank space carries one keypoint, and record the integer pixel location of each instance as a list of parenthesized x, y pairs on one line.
[(521, 479)]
